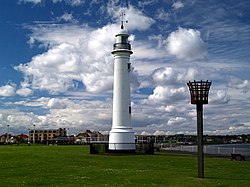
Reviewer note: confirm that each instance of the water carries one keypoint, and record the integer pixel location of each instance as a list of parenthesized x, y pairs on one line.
[(227, 149)]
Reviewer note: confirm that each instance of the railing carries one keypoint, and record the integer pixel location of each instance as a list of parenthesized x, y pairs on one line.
[(122, 46), (120, 146), (138, 148), (218, 150)]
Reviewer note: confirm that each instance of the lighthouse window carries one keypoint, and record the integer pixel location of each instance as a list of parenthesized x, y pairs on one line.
[(124, 39), (129, 66), (129, 109)]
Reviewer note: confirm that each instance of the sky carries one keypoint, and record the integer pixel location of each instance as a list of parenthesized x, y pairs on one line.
[(56, 66)]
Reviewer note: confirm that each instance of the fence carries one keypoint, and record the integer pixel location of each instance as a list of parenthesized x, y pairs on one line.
[(139, 148), (209, 149)]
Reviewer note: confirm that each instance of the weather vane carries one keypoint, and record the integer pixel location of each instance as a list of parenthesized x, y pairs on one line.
[(122, 20)]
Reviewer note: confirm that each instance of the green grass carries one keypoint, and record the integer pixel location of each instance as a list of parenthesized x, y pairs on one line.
[(66, 166)]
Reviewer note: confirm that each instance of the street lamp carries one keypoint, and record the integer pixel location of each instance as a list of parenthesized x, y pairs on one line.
[(34, 138), (29, 135), (7, 136), (199, 95)]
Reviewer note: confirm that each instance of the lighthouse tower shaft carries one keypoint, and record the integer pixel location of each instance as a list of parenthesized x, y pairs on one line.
[(121, 135)]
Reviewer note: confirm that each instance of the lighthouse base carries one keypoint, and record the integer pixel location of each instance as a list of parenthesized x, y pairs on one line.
[(122, 139)]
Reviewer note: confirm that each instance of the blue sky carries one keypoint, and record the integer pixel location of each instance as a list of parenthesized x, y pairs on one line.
[(57, 70)]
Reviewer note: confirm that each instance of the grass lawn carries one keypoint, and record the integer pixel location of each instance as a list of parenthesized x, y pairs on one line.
[(74, 166)]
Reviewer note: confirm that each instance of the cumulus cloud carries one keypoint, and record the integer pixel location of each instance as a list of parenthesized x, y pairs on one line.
[(7, 90), (159, 133), (66, 17), (219, 97), (85, 58), (40, 102), (76, 114), (136, 19), (56, 103), (242, 128), (186, 44), (177, 5), (19, 122), (235, 82), (144, 50), (162, 14), (74, 53), (50, 35), (134, 82), (170, 108), (162, 94), (24, 89), (175, 76), (175, 120), (53, 70), (165, 75), (230, 129), (24, 92)]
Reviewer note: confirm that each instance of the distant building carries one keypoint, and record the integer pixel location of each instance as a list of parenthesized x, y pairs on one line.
[(89, 136), (48, 136), (22, 138), (4, 138), (7, 139)]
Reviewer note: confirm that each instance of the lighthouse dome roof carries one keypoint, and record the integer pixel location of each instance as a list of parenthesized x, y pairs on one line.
[(122, 32)]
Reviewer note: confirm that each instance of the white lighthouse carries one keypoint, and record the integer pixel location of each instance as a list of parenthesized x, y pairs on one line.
[(121, 137)]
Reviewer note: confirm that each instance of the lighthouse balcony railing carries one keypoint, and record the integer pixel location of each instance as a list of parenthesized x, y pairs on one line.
[(122, 46)]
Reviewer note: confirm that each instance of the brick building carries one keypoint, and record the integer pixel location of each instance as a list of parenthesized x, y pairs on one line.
[(48, 136)]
